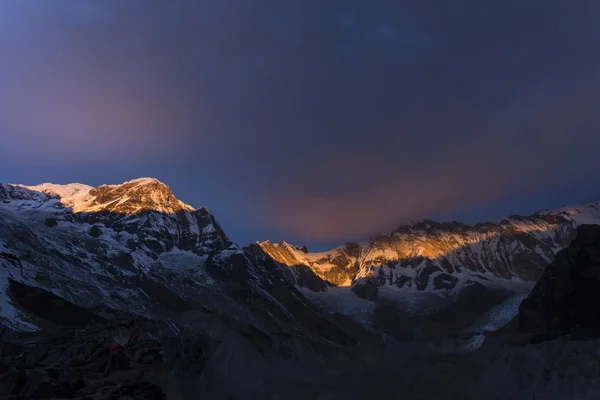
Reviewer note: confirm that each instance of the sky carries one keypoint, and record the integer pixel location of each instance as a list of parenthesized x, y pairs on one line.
[(311, 121)]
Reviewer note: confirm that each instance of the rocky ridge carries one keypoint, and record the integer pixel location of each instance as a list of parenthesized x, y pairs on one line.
[(431, 255)]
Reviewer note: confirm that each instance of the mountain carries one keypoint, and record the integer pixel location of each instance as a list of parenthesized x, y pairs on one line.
[(145, 209), (84, 267), (430, 256), (94, 246), (78, 257)]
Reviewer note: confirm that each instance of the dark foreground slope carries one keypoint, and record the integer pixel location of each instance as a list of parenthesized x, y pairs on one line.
[(566, 299)]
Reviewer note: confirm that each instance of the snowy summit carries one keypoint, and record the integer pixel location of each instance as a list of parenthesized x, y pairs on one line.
[(131, 197)]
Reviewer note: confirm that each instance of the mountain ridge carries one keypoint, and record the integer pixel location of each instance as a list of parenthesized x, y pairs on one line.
[(430, 255), (423, 255)]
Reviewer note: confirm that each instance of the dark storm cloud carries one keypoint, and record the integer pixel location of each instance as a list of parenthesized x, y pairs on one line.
[(311, 120)]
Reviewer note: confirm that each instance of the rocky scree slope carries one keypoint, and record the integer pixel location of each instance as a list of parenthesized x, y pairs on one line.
[(73, 364), (429, 256), (135, 249)]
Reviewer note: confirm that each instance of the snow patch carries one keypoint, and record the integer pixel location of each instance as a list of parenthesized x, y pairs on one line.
[(68, 192), (502, 314), (543, 254), (210, 228), (140, 181)]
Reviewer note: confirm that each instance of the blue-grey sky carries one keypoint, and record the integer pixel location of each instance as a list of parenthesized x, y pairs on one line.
[(312, 121)]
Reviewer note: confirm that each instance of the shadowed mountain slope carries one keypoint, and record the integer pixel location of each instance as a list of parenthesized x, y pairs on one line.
[(565, 300)]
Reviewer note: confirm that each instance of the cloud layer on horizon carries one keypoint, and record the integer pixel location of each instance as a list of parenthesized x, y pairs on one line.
[(318, 121)]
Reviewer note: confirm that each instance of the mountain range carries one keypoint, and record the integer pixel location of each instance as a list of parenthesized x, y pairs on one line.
[(74, 256), (430, 255)]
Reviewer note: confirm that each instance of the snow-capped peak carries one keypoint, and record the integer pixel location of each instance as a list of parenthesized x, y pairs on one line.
[(131, 197), (138, 195)]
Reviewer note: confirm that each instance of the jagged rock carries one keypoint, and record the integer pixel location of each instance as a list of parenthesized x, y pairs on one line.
[(297, 275), (566, 298), (303, 276)]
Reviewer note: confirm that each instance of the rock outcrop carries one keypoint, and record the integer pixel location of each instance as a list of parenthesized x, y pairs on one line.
[(566, 299)]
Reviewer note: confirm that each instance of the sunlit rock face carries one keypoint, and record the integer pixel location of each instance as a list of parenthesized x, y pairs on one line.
[(431, 255), (298, 275), (132, 197)]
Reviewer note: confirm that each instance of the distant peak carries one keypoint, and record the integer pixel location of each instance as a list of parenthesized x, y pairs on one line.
[(131, 197), (284, 253), (134, 196)]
